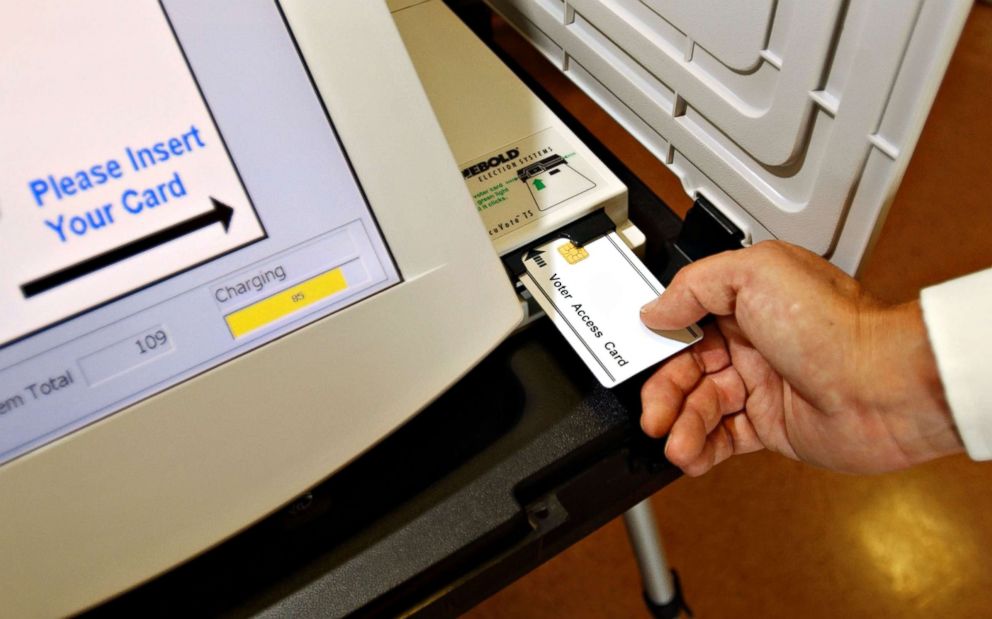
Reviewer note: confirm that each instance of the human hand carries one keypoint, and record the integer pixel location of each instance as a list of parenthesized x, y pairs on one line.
[(801, 361)]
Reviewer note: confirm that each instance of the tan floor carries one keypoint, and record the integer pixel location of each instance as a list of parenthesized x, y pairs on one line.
[(764, 536)]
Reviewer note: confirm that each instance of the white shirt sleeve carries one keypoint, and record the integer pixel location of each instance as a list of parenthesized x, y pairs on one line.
[(958, 315)]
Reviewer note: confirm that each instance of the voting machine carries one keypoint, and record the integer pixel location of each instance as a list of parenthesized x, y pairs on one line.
[(225, 301)]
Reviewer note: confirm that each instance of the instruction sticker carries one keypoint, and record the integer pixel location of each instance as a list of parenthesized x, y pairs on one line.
[(516, 184), (593, 294)]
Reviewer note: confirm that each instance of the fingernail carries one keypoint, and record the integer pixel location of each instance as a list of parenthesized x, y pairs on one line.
[(648, 306), (668, 448)]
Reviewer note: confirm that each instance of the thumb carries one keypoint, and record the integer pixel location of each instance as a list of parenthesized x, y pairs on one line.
[(709, 286)]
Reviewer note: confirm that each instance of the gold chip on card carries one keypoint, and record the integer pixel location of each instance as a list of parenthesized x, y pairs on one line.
[(573, 254)]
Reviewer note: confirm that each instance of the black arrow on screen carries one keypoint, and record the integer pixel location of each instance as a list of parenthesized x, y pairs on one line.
[(219, 214)]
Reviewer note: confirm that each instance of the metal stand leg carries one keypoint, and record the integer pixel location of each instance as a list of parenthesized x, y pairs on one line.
[(662, 593)]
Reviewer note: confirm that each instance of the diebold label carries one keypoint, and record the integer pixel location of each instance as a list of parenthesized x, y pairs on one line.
[(520, 182)]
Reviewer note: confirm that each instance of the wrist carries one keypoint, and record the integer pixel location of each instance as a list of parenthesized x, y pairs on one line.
[(908, 391)]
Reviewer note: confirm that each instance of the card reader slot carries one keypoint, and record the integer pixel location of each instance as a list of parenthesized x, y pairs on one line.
[(579, 232)]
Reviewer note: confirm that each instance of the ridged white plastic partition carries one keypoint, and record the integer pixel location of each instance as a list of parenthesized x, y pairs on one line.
[(795, 117)]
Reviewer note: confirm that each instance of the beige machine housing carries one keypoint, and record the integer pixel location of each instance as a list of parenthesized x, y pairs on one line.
[(112, 505), (484, 108)]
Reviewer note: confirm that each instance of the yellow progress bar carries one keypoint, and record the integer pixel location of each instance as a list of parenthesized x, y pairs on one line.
[(284, 303)]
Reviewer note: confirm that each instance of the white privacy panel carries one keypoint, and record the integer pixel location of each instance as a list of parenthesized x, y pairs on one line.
[(795, 117), (735, 32)]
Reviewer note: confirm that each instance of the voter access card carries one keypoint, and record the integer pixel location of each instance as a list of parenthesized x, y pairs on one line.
[(594, 294)]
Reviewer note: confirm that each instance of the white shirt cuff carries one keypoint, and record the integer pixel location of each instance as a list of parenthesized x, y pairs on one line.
[(958, 315)]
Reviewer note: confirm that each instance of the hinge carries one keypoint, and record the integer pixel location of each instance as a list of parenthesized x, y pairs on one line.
[(707, 231)]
